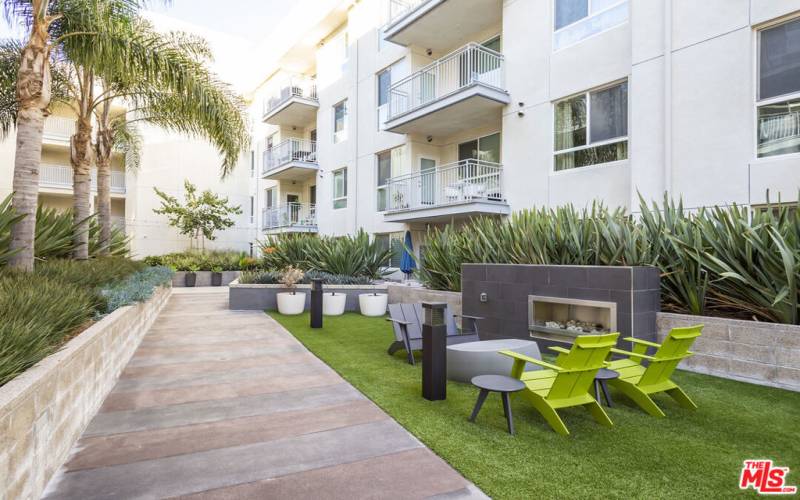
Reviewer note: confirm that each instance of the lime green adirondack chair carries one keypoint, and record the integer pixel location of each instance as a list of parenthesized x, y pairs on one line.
[(639, 382), (568, 382)]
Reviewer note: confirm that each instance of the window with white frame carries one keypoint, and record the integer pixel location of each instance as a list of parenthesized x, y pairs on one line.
[(778, 103), (393, 242), (340, 122), (340, 188), (389, 164), (591, 128), (384, 84), (252, 163), (576, 20)]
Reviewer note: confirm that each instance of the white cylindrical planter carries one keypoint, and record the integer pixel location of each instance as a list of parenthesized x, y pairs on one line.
[(333, 305), (373, 304), (291, 303)]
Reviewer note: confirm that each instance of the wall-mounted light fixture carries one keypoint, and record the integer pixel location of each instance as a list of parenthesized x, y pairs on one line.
[(484, 297)]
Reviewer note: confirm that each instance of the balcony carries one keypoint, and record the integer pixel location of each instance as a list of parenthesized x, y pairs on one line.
[(295, 104), (440, 25), (58, 129), (291, 160), (290, 218), (60, 177), (462, 189), (462, 90)]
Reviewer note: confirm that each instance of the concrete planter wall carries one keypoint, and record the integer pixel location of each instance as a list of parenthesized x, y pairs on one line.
[(264, 297), (750, 351), (44, 411), (404, 294), (204, 278)]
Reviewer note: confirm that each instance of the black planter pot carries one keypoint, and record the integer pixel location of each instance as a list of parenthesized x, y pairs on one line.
[(190, 279), (216, 279)]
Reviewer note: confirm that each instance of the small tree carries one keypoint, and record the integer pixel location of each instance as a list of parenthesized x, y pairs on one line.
[(200, 216)]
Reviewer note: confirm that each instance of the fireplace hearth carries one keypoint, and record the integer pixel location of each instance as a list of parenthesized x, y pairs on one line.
[(560, 318), (554, 304)]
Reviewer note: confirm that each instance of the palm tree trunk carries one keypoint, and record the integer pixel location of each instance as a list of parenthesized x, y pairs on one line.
[(33, 98), (81, 159), (103, 160)]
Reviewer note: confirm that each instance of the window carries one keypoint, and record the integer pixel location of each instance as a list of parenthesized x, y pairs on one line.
[(340, 122), (252, 163), (384, 83), (340, 188), (779, 89), (393, 241), (576, 20), (592, 128), (390, 164), (485, 148), (252, 209)]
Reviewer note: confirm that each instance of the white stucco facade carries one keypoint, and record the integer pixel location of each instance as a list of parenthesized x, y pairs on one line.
[(690, 71)]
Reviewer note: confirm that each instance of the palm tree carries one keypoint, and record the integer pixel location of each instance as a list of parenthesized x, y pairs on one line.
[(188, 100), (32, 99)]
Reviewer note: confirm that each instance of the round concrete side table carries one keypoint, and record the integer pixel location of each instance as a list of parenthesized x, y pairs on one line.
[(471, 359)]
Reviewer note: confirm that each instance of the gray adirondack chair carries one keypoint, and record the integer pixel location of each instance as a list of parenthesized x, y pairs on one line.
[(407, 322)]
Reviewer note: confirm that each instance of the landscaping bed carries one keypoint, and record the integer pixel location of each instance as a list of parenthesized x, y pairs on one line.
[(44, 309), (685, 455)]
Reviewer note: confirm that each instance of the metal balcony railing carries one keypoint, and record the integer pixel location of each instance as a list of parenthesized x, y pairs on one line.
[(297, 86), (401, 8), (59, 126), (463, 181), (288, 151), (779, 127), (60, 176), (469, 65), (301, 215)]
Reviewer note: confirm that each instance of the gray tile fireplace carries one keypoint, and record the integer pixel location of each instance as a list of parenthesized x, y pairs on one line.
[(554, 304)]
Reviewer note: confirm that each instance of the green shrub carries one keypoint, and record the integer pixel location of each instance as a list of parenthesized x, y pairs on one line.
[(54, 234), (274, 277), (138, 287), (357, 255), (195, 260), (722, 261), (39, 313), (43, 309)]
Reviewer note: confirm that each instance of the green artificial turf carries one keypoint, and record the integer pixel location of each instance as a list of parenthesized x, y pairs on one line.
[(685, 455)]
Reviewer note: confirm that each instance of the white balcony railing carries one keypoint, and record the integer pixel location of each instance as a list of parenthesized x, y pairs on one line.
[(288, 151), (301, 215), (779, 127), (60, 176), (464, 181), (297, 86), (469, 65), (400, 8), (59, 126)]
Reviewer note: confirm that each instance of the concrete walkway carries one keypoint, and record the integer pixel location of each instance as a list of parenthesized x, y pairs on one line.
[(227, 404)]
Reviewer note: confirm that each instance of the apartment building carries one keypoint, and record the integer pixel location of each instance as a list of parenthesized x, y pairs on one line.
[(395, 115), (55, 172), (167, 160)]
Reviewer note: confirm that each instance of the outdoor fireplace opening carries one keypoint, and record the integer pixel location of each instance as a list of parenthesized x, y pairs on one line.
[(557, 318)]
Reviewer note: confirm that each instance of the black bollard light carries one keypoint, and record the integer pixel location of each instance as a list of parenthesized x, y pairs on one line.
[(434, 352), (316, 303)]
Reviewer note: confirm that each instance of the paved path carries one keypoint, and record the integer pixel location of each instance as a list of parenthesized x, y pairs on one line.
[(227, 404)]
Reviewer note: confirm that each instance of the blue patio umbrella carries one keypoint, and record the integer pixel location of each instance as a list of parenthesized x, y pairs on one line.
[(407, 262)]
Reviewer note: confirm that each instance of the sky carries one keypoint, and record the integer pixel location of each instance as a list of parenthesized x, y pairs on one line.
[(235, 29)]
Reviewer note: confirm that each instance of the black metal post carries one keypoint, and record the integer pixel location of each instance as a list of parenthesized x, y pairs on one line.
[(434, 352), (316, 303)]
